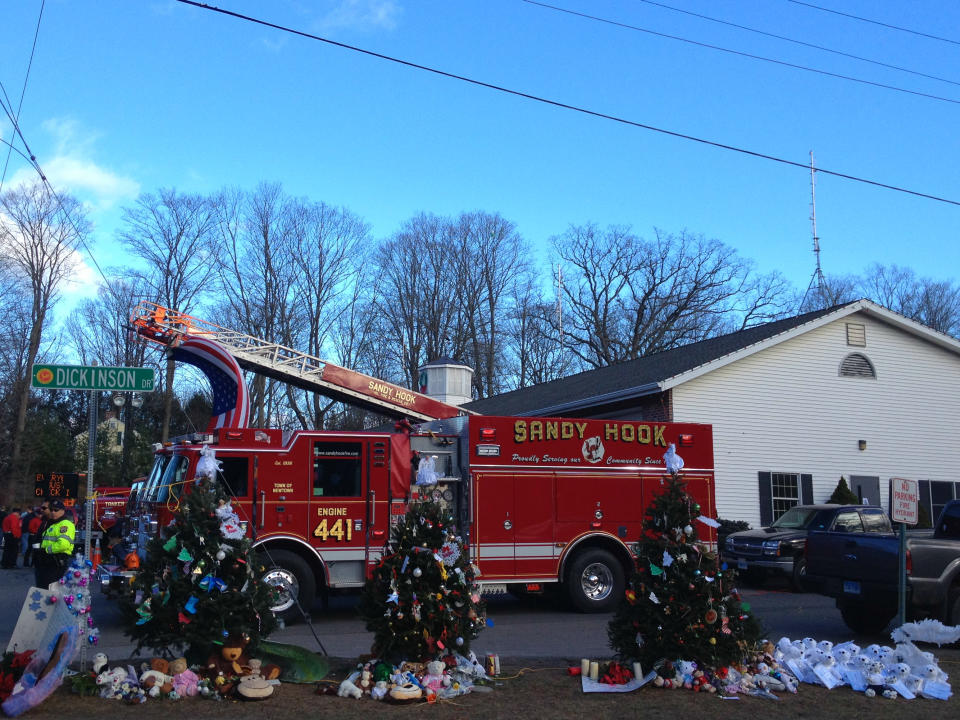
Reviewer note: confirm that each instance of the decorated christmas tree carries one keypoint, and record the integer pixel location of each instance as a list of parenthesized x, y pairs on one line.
[(421, 600), (679, 604), (199, 581)]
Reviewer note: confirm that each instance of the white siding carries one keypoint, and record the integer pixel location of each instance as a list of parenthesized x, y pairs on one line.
[(786, 409)]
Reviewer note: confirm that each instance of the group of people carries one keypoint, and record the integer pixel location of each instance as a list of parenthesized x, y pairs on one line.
[(44, 537)]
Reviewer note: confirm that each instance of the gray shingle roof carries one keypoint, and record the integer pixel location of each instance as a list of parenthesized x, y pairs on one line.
[(636, 377)]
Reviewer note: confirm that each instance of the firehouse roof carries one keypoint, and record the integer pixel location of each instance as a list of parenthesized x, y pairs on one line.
[(660, 371)]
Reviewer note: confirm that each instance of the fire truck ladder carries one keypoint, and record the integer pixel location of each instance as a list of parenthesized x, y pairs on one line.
[(169, 327)]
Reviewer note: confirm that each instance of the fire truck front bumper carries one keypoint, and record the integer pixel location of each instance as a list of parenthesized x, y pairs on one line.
[(114, 579)]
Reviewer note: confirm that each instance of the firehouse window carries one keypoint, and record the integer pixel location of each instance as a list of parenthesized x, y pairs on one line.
[(336, 469), (785, 491), (234, 475)]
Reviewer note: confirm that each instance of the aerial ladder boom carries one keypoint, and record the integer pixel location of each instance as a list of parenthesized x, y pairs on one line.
[(170, 327)]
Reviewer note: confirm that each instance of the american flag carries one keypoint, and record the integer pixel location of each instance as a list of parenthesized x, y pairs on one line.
[(231, 404)]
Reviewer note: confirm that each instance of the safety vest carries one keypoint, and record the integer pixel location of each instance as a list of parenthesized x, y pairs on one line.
[(58, 538)]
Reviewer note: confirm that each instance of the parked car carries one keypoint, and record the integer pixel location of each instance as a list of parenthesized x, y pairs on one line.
[(860, 571), (779, 548)]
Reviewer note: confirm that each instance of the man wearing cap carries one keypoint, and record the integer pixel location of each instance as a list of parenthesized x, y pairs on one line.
[(56, 547)]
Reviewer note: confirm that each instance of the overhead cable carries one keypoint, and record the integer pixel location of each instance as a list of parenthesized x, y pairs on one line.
[(565, 106)]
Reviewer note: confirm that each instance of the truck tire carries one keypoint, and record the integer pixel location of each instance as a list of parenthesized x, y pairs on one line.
[(799, 576), (866, 619), (595, 581), (293, 578)]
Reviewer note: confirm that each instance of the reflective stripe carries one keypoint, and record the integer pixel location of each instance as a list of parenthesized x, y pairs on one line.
[(58, 538)]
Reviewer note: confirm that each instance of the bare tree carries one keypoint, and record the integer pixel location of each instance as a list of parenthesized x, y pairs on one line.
[(257, 274), (330, 245), (535, 347), (629, 297), (39, 236), (419, 293), (935, 303), (172, 234), (834, 290), (490, 257)]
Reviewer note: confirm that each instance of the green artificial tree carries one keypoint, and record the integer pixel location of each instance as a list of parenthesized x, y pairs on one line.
[(199, 581), (679, 605), (843, 495), (421, 600)]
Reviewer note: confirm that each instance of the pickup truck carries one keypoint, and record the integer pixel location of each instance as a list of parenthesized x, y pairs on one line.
[(859, 570), (780, 547)]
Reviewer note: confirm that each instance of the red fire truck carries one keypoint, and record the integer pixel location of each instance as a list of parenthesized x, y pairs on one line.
[(538, 500)]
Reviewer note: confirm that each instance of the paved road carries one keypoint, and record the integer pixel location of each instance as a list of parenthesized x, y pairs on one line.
[(537, 626)]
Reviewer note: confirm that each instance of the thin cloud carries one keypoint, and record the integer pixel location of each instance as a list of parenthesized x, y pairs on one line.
[(72, 168), (361, 15)]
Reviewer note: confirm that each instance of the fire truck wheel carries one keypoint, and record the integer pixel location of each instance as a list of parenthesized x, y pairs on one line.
[(595, 581), (290, 574)]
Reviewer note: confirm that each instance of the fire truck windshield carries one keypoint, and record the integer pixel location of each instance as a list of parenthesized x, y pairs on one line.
[(171, 484), (149, 490)]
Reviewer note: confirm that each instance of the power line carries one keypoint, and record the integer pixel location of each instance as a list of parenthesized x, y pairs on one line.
[(800, 42), (23, 91), (565, 106), (795, 66), (876, 22)]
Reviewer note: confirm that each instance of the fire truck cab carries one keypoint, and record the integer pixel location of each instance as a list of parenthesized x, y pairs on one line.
[(538, 500)]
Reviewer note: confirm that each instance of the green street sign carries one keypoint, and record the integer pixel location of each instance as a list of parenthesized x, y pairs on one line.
[(84, 377)]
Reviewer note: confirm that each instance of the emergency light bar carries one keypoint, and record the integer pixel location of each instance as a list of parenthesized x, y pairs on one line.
[(686, 440)]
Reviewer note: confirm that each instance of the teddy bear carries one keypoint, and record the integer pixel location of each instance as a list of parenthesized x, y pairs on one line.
[(232, 662), (185, 680), (435, 679), (155, 678)]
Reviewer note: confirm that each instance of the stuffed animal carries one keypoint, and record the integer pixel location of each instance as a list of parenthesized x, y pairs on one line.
[(349, 688), (232, 663), (253, 686), (110, 681), (185, 681), (435, 678), (229, 521), (876, 682), (155, 678)]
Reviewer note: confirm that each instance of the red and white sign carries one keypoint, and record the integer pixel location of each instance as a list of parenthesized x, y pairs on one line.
[(903, 500)]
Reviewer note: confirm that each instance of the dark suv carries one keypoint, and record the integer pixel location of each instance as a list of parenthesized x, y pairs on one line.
[(779, 547)]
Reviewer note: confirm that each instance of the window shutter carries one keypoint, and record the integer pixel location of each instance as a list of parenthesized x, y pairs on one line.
[(806, 489), (766, 499)]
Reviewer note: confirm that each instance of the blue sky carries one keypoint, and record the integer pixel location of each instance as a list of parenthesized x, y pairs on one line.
[(128, 96)]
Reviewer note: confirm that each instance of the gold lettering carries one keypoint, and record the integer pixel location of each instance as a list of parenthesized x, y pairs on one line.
[(551, 428), (643, 434), (566, 430), (520, 431), (611, 432), (331, 512), (626, 433), (658, 436), (536, 430), (581, 427)]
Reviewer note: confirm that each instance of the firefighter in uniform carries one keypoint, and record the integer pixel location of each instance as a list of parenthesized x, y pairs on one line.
[(56, 546)]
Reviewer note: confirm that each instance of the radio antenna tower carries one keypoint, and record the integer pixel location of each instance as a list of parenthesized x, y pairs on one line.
[(816, 282), (560, 301)]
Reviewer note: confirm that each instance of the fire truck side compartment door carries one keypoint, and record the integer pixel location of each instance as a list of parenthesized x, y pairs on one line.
[(495, 521), (535, 550)]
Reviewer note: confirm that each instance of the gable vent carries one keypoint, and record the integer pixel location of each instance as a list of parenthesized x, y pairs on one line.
[(857, 365), (856, 334)]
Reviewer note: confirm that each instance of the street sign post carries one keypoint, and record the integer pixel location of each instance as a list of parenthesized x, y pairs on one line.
[(903, 510), (85, 377)]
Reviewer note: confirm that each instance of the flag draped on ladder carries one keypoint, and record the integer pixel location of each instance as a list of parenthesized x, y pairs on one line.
[(231, 403)]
